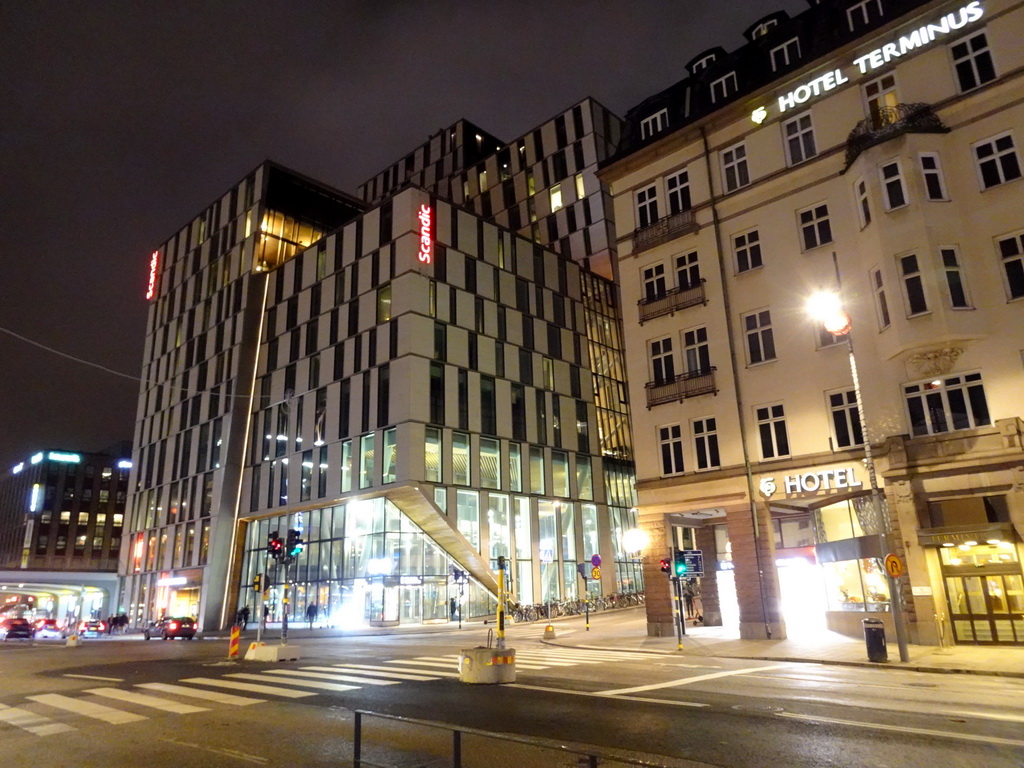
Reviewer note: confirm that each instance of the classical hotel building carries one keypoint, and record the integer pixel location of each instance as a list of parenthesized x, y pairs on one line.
[(419, 379), (876, 142)]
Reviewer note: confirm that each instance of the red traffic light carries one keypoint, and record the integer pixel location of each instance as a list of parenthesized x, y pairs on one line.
[(666, 566)]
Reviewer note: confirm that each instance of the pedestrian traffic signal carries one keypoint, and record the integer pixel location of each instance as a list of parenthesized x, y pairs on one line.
[(679, 567), (666, 566), (274, 546), (295, 543)]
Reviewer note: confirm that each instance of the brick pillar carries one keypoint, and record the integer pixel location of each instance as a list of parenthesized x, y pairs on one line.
[(757, 591), (657, 588), (710, 605)]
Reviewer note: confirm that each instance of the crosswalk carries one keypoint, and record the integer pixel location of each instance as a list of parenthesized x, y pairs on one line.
[(48, 714)]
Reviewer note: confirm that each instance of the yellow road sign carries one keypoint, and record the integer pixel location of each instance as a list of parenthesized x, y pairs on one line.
[(894, 566), (595, 572)]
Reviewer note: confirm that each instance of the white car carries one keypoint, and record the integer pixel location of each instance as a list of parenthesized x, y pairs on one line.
[(49, 628)]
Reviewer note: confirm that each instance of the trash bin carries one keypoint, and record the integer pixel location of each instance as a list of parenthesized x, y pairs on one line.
[(874, 639)]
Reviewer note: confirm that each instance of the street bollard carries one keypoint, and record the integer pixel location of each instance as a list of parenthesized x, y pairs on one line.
[(874, 639), (236, 631)]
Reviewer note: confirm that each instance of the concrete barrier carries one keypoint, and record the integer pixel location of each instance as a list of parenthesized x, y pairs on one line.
[(264, 652), (487, 666)]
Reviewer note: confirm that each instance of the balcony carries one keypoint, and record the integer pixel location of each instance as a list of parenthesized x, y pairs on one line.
[(663, 230), (700, 382), (670, 302), (888, 123)]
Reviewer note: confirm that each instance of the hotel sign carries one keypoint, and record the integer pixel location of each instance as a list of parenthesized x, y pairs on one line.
[(425, 216), (154, 260), (877, 58), (811, 482)]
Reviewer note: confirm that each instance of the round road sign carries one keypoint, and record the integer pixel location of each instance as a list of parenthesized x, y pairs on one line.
[(595, 572), (595, 561), (894, 566)]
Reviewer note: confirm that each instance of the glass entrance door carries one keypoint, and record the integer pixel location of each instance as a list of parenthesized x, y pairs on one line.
[(987, 609)]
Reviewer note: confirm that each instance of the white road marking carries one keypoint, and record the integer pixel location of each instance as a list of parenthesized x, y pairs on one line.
[(431, 668), (296, 681), (228, 752), (87, 709), (199, 693), (905, 729), (429, 664), (273, 690), (426, 674), (338, 678), (97, 677), (31, 722), (688, 680), (669, 702), (143, 700), (372, 671)]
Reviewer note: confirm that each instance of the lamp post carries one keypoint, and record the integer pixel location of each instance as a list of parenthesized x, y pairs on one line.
[(827, 308)]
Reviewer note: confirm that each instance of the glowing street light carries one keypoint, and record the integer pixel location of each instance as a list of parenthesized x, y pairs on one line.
[(827, 308), (635, 540)]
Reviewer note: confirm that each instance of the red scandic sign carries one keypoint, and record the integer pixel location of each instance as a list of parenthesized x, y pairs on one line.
[(426, 254), (151, 288)]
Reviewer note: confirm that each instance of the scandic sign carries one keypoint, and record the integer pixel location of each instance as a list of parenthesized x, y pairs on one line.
[(883, 55), (153, 262), (426, 242)]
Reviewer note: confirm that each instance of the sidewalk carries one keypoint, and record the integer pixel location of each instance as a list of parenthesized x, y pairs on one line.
[(626, 630)]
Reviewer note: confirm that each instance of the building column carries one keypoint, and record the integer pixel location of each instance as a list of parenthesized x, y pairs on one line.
[(757, 579), (711, 607), (659, 600)]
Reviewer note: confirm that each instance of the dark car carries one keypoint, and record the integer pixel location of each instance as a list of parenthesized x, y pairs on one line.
[(92, 628), (18, 628), (169, 628)]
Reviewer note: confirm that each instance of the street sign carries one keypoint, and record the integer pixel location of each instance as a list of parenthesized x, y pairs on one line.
[(595, 572), (595, 561), (694, 559), (894, 566), (547, 555)]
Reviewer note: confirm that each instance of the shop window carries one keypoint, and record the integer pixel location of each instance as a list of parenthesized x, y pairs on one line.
[(856, 585), (467, 516)]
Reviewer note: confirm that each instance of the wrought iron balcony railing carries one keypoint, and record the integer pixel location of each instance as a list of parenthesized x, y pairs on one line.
[(663, 230), (671, 301), (700, 382), (888, 123)]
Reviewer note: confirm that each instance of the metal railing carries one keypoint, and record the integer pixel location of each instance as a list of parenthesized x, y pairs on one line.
[(664, 230), (699, 382), (669, 302), (888, 123), (590, 757)]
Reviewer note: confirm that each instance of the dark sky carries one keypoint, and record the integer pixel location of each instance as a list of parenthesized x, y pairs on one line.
[(120, 121)]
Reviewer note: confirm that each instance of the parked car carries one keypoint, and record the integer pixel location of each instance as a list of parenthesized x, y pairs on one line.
[(17, 628), (169, 628), (49, 628), (92, 628)]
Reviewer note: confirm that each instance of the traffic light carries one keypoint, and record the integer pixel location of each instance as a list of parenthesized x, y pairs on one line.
[(295, 543), (666, 566), (679, 564), (274, 545)]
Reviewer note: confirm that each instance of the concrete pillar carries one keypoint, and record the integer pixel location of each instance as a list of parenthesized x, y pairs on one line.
[(657, 588), (710, 604), (757, 580)]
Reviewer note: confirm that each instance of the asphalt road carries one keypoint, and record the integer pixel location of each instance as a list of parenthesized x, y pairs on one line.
[(82, 706)]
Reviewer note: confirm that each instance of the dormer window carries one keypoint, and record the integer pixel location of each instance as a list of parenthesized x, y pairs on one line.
[(703, 63), (785, 55), (654, 124), (864, 13), (723, 88), (762, 29)]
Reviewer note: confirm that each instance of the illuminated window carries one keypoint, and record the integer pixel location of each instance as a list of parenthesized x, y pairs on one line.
[(934, 184), (881, 98), (785, 55), (390, 458), (556, 197), (460, 458), (894, 193), (947, 404), (771, 430), (763, 28), (670, 442), (581, 190), (432, 455), (799, 136), (757, 326), (997, 161), (747, 248), (734, 167), (972, 61), (490, 463), (366, 458), (384, 303)]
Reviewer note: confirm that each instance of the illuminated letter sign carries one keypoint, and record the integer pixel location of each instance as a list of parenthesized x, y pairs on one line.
[(426, 244), (151, 288)]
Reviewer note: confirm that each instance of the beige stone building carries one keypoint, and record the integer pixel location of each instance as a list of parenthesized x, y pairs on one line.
[(877, 143)]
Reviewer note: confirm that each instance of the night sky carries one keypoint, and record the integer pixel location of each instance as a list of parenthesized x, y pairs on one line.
[(120, 121)]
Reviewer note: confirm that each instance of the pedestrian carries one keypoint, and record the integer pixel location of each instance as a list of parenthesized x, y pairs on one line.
[(266, 613), (311, 612), (688, 595), (243, 617), (454, 606)]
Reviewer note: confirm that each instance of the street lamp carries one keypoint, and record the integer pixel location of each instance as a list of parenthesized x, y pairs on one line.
[(827, 308), (635, 541)]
